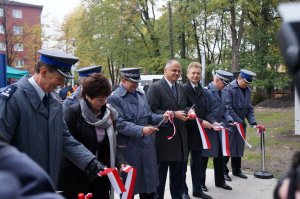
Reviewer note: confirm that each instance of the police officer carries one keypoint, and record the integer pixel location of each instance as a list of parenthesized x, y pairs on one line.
[(82, 73), (217, 100), (21, 177), (135, 131), (31, 117), (238, 108)]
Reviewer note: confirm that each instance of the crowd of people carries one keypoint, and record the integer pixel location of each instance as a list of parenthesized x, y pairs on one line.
[(67, 144)]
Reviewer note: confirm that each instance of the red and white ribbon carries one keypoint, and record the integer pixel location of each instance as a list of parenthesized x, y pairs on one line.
[(204, 137), (130, 182), (114, 178), (171, 119), (225, 142), (260, 128), (241, 131), (82, 196)]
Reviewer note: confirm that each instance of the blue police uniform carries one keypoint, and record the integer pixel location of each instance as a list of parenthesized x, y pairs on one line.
[(217, 102), (238, 108), (138, 150), (82, 73), (36, 126), (20, 177)]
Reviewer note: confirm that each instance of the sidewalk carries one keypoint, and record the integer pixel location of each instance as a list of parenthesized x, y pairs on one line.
[(251, 188)]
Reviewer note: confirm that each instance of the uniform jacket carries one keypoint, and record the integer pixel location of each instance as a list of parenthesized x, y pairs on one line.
[(71, 175), (33, 181), (201, 109), (73, 99), (138, 150), (238, 107), (216, 109), (161, 99), (39, 132)]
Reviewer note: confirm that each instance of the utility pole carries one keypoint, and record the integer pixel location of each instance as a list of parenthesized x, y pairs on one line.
[(171, 31)]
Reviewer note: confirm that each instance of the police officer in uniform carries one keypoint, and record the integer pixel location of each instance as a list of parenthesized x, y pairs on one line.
[(238, 108), (21, 177), (217, 101), (82, 73), (31, 117), (135, 131)]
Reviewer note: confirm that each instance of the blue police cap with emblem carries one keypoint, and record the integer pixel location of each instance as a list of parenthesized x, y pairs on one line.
[(224, 76), (86, 71), (62, 62), (247, 75), (131, 73)]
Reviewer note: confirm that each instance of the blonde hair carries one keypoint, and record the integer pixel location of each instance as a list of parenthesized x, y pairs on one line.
[(194, 65)]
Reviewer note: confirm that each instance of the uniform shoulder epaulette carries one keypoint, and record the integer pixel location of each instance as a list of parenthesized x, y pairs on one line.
[(6, 92)]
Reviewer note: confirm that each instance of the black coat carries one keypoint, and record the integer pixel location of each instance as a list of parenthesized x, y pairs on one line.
[(161, 98), (72, 180), (201, 109)]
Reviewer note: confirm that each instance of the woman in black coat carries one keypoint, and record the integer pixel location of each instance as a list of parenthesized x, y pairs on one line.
[(91, 122)]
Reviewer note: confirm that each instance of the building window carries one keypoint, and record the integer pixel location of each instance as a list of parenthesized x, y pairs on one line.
[(1, 12), (19, 63), (2, 31), (17, 14), (2, 46), (17, 30), (18, 47)]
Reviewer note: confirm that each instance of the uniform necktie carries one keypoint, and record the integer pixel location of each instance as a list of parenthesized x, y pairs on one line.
[(196, 89), (45, 100), (174, 92)]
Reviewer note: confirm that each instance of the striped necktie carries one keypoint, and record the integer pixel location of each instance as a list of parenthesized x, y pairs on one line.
[(174, 92)]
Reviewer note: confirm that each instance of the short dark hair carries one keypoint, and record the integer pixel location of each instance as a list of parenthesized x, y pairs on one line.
[(40, 64), (96, 85)]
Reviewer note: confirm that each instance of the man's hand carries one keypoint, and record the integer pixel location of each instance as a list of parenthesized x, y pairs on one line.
[(181, 115), (166, 115), (149, 129), (206, 124), (93, 168), (216, 126)]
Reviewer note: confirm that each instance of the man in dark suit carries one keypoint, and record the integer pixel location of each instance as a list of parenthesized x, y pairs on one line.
[(196, 96), (164, 95)]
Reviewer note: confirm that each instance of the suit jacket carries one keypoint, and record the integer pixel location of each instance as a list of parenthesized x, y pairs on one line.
[(161, 98), (201, 109)]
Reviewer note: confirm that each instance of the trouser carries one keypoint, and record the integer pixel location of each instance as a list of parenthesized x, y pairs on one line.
[(198, 168), (218, 169), (236, 163), (176, 178)]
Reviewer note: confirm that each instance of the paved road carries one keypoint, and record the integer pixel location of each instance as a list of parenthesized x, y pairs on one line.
[(251, 188)]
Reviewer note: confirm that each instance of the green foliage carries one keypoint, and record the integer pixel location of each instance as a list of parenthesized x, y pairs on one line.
[(130, 34)]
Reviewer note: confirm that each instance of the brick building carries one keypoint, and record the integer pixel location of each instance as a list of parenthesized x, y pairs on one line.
[(20, 33)]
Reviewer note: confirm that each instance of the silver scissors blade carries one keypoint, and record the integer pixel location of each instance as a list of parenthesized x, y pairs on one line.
[(160, 123)]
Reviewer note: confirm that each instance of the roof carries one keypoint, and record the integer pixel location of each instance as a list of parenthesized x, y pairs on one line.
[(15, 3), (15, 73)]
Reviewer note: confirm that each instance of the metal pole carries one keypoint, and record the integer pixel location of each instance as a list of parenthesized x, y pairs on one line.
[(203, 69), (263, 174), (171, 31), (262, 137)]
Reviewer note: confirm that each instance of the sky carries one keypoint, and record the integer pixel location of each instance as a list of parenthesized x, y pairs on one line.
[(53, 14)]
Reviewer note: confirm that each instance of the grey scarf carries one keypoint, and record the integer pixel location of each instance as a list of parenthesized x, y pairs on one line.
[(91, 118)]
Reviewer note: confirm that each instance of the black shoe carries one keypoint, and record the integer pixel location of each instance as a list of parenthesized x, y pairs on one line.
[(226, 177), (185, 196), (201, 195), (204, 188), (225, 186), (240, 174)]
